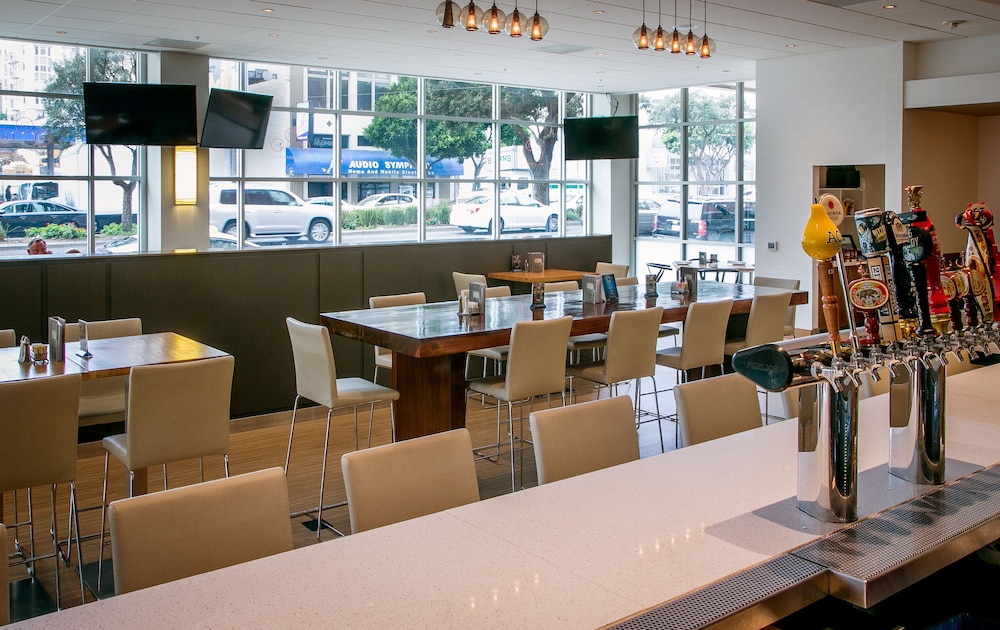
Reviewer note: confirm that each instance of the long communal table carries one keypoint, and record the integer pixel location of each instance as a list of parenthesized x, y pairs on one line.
[(679, 534), (429, 341)]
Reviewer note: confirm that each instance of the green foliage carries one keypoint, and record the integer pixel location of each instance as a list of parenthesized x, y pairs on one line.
[(572, 213), (115, 229), (371, 218), (66, 231), (3, 232), (439, 214)]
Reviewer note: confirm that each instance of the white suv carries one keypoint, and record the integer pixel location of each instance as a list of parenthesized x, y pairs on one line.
[(271, 212)]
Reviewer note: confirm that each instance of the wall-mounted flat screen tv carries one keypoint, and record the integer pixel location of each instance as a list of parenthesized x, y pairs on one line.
[(602, 138), (235, 120), (140, 113)]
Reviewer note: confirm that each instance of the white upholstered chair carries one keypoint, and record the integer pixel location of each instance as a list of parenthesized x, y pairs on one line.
[(102, 400), (619, 271), (578, 439), (716, 407), (165, 536), (8, 339), (383, 356), (463, 280), (316, 380), (497, 354), (175, 412), (536, 366), (630, 354), (407, 479), (766, 323), (562, 285), (781, 283), (38, 428), (704, 338)]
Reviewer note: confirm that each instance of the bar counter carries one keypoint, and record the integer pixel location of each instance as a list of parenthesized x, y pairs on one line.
[(579, 553)]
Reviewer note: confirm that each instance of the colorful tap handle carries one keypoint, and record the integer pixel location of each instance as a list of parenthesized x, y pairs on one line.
[(981, 252), (821, 240), (930, 295)]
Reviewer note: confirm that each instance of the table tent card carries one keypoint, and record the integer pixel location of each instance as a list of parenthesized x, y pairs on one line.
[(593, 289), (57, 335), (536, 262), (84, 344), (477, 295), (610, 287)]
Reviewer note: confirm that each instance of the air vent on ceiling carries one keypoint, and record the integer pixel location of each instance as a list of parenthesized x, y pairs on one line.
[(841, 3), (177, 44)]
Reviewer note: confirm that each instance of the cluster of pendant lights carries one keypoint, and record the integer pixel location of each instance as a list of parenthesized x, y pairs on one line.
[(645, 38), (493, 21)]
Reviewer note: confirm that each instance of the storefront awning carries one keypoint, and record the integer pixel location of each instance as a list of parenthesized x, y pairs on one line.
[(363, 163)]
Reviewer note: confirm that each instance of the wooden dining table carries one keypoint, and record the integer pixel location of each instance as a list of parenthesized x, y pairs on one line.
[(113, 356), (528, 277), (429, 341)]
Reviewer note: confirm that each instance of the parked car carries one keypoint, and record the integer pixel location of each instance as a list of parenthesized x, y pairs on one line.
[(647, 214), (271, 212), (382, 200), (130, 244), (16, 216), (516, 213), (708, 219)]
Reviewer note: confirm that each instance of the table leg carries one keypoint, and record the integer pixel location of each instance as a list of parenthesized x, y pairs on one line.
[(431, 394)]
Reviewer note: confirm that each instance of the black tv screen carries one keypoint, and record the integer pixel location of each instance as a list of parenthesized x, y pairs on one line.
[(603, 138), (235, 120), (140, 113)]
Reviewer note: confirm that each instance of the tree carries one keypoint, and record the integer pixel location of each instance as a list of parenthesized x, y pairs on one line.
[(711, 147), (65, 116)]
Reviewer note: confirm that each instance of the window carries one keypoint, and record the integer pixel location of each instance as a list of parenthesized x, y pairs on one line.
[(696, 164)]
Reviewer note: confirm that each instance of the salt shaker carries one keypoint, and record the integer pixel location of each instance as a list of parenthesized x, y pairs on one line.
[(25, 355)]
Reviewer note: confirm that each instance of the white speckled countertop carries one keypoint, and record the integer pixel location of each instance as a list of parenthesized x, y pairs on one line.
[(578, 553)]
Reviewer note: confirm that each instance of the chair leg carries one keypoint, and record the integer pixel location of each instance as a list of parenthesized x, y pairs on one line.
[(510, 427), (291, 431), (322, 477), (371, 419), (225, 463), (104, 515), (55, 542), (164, 476), (355, 426), (75, 530)]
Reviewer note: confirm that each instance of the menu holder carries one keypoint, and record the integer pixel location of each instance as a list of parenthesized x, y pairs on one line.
[(516, 263), (689, 277), (57, 336), (651, 286), (84, 344), (593, 289), (610, 287), (477, 297), (537, 295), (536, 262)]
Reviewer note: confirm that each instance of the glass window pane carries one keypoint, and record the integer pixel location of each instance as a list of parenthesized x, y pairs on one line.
[(660, 154), (660, 107), (275, 213), (387, 212), (749, 151), (658, 210), (278, 158), (750, 99), (712, 153), (272, 79), (455, 98), (469, 207), (528, 158), (711, 103), (390, 151), (457, 149)]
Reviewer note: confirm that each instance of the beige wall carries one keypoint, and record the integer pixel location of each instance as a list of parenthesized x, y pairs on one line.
[(989, 162)]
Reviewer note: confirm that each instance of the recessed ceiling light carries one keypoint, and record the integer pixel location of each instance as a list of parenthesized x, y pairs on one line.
[(600, 72), (272, 34), (600, 54), (459, 56), (267, 10), (598, 11), (60, 32), (432, 32), (322, 58), (789, 45), (888, 6)]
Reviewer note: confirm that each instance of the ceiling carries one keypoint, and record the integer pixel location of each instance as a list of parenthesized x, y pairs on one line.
[(588, 47)]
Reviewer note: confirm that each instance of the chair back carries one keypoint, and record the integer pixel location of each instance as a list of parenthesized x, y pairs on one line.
[(165, 536), (7, 338), (462, 280), (407, 479), (492, 292), (627, 281), (631, 345), (781, 283), (4, 580), (38, 430), (619, 271), (766, 323), (178, 411), (402, 299), (577, 439), (104, 329), (564, 285), (315, 368), (536, 362), (705, 334), (711, 408)]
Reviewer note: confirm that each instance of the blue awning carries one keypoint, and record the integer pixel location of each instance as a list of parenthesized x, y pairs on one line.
[(363, 163)]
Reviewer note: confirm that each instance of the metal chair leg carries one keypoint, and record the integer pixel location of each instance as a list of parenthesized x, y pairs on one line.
[(104, 514), (291, 431), (322, 477)]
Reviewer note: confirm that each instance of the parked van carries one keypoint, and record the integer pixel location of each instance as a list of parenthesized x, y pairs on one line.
[(271, 212)]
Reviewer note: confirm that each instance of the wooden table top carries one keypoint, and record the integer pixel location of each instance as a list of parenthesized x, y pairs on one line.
[(117, 355), (11, 370), (549, 275), (436, 329)]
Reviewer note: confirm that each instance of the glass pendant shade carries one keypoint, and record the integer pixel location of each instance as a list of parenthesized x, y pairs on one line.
[(660, 40), (539, 27), (471, 17), (705, 51), (675, 42), (446, 14), (515, 23), (690, 43), (494, 20), (641, 37)]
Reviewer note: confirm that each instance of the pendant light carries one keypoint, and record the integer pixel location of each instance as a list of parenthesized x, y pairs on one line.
[(446, 13), (706, 44), (641, 35), (471, 17), (515, 23), (690, 43), (660, 40), (539, 25), (494, 20), (675, 37)]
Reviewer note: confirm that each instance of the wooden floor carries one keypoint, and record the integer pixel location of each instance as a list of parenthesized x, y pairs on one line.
[(260, 442)]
